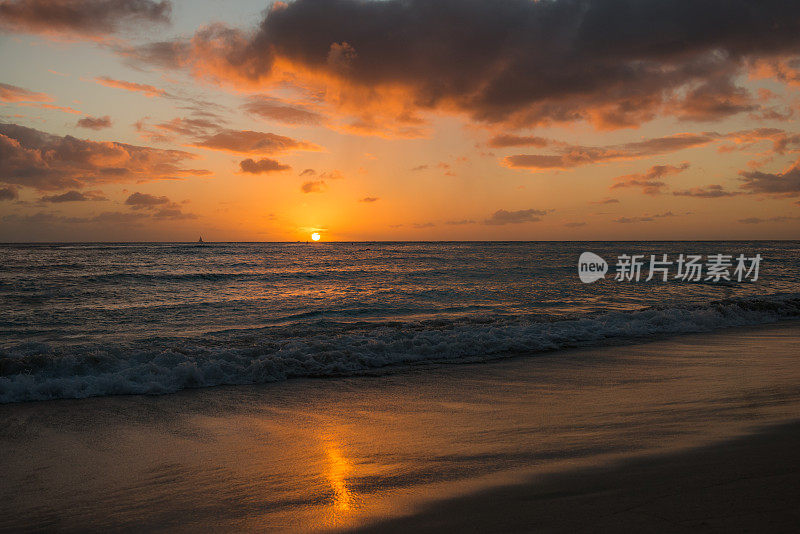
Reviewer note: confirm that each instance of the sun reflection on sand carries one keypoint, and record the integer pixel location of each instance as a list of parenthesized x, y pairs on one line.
[(339, 468)]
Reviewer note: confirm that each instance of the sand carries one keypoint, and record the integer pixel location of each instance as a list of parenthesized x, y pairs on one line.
[(750, 484)]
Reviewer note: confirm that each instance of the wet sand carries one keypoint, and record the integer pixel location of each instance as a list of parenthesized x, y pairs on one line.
[(749, 484), (428, 448)]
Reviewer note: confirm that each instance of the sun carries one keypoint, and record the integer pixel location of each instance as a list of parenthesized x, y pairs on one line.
[(315, 236)]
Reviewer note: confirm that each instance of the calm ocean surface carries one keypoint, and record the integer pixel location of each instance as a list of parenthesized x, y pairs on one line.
[(79, 320)]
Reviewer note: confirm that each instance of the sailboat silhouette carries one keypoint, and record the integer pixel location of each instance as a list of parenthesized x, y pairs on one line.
[(200, 240)]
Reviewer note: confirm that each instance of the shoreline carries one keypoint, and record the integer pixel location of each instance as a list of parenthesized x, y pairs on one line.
[(746, 484), (320, 455)]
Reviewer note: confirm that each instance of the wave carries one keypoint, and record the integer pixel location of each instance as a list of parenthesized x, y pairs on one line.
[(40, 371)]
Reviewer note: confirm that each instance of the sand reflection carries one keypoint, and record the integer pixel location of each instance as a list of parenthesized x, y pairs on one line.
[(337, 471)]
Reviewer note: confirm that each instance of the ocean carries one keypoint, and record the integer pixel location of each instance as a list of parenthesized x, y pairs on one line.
[(81, 320)]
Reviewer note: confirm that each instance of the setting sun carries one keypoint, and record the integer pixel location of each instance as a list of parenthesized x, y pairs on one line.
[(315, 236)]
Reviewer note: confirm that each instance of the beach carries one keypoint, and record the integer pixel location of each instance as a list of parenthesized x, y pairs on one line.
[(620, 437)]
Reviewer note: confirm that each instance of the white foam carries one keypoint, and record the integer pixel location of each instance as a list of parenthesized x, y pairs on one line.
[(38, 371)]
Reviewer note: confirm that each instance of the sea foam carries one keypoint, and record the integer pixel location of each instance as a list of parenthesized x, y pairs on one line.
[(43, 371)]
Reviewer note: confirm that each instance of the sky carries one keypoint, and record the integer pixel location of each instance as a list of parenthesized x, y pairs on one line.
[(144, 120)]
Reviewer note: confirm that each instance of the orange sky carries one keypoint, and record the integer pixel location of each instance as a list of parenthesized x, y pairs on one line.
[(398, 121)]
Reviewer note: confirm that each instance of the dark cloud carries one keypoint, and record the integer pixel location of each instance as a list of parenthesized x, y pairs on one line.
[(571, 156), (460, 222), (145, 201), (94, 123), (8, 193), (313, 187), (33, 158), (369, 199), (616, 63), (75, 196), (264, 165), (574, 224), (89, 18), (250, 142), (515, 217), (715, 100), (709, 191), (420, 226), (649, 181), (276, 110), (308, 172), (786, 183)]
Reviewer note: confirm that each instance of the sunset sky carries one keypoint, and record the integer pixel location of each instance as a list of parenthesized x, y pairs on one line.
[(137, 120)]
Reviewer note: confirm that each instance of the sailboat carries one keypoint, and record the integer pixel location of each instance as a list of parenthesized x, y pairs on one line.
[(200, 240)]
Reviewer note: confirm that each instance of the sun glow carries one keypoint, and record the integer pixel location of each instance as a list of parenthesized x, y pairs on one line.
[(315, 236)]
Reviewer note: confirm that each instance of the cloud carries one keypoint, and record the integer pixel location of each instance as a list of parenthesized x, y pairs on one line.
[(250, 142), (8, 193), (610, 62), (145, 201), (709, 191), (12, 93), (173, 213), (74, 196), (506, 140), (158, 207), (94, 123), (332, 175), (501, 217), (605, 201), (644, 218), (369, 199), (745, 139), (786, 183), (419, 168), (574, 224), (571, 156), (313, 187), (87, 18), (460, 222), (714, 100), (308, 172), (189, 126), (650, 180), (420, 226), (276, 110), (37, 159), (108, 217), (757, 220), (166, 132), (148, 90), (264, 165)]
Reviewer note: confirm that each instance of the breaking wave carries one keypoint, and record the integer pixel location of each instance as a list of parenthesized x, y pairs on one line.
[(41, 371)]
